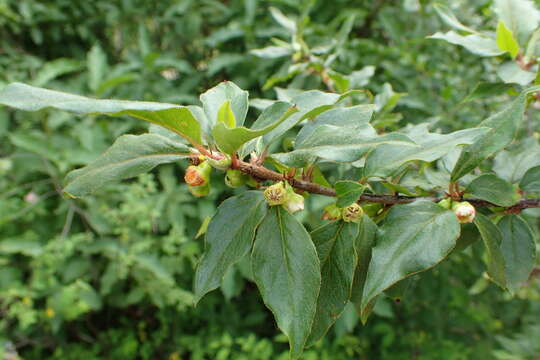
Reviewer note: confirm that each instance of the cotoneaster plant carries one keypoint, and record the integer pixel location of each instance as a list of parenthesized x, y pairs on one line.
[(398, 212)]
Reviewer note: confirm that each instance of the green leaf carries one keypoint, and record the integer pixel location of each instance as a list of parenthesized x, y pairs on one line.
[(521, 16), (173, 117), (385, 159), (129, 156), (230, 140), (414, 238), (518, 249), (531, 180), (364, 245), (335, 243), (214, 98), (348, 192), (229, 237), (506, 41), (287, 271), (511, 73), (475, 43), (491, 188), (337, 144), (503, 127), (492, 238), (283, 20), (226, 116)]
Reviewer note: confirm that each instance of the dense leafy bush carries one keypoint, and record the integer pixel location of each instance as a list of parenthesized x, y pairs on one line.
[(109, 274)]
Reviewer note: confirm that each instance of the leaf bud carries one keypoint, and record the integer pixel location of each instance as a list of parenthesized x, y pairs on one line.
[(332, 212), (464, 211), (276, 194), (198, 175), (235, 178), (352, 213)]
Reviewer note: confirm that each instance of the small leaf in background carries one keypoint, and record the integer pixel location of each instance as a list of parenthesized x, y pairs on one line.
[(283, 20), (504, 125), (226, 116), (335, 243), (518, 249), (506, 41), (214, 98), (129, 156), (448, 17), (477, 44), (364, 245), (531, 180), (348, 192), (53, 69), (414, 238), (485, 90), (97, 66), (492, 238), (229, 237), (287, 271), (491, 188)]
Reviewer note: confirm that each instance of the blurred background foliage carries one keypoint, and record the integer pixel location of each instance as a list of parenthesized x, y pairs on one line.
[(109, 276)]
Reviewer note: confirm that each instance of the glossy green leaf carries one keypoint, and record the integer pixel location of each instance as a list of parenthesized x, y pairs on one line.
[(491, 188), (503, 127), (229, 237), (173, 117), (520, 16), (484, 90), (230, 140), (335, 243), (348, 192), (364, 245), (287, 271), (492, 238), (387, 158), (511, 73), (506, 41), (414, 238), (518, 249), (129, 156), (531, 180), (476, 43), (214, 98)]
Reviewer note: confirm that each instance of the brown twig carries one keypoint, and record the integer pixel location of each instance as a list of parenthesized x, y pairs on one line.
[(260, 172)]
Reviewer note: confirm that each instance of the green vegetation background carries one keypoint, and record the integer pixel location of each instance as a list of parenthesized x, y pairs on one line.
[(109, 276)]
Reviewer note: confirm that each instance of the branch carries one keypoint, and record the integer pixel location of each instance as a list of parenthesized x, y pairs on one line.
[(262, 173)]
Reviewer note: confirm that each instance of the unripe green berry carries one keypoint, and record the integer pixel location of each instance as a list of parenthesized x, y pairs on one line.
[(222, 163), (445, 203), (198, 175), (235, 178), (200, 191), (332, 212), (352, 213), (294, 203), (276, 194), (464, 211)]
